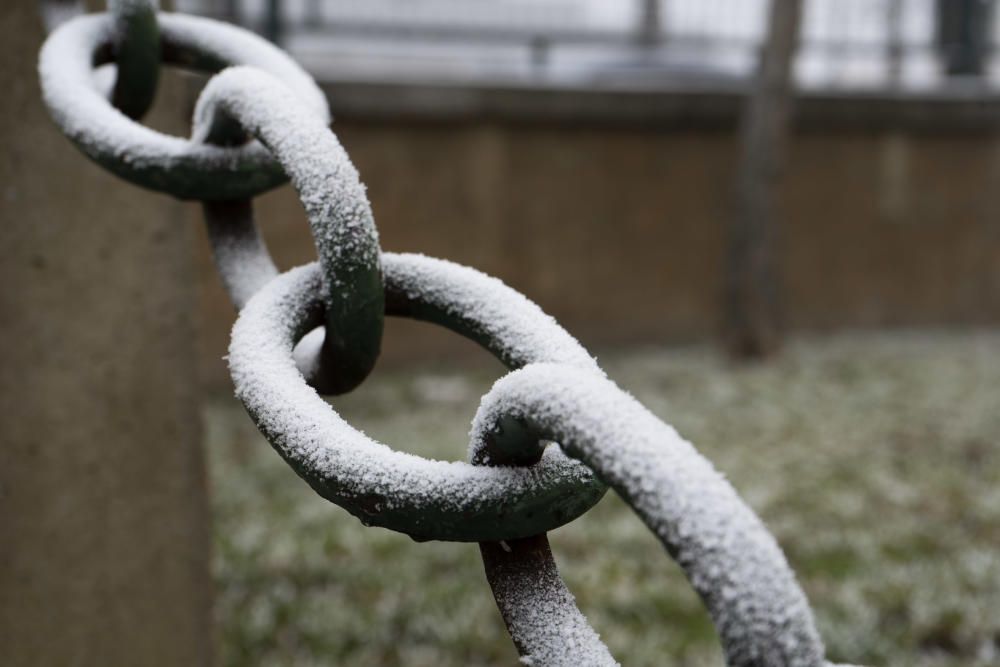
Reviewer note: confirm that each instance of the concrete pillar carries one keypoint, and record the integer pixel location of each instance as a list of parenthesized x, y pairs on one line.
[(104, 538)]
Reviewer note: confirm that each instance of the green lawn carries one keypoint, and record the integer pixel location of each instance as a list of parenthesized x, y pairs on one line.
[(874, 459)]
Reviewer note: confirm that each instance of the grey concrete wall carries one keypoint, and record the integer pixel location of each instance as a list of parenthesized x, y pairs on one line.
[(104, 538)]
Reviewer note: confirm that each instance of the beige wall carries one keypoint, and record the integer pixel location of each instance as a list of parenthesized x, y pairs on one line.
[(104, 539), (619, 232)]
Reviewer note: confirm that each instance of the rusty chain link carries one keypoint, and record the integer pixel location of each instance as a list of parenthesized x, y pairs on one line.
[(261, 120)]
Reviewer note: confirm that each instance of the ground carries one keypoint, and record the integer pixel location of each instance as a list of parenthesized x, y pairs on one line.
[(874, 459)]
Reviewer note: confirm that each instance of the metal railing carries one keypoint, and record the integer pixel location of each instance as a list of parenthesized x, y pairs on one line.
[(844, 43)]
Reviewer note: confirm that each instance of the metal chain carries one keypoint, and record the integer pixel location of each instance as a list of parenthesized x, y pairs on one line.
[(263, 120)]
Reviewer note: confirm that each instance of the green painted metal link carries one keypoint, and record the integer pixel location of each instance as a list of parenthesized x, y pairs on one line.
[(246, 100), (137, 55), (427, 500), (140, 155)]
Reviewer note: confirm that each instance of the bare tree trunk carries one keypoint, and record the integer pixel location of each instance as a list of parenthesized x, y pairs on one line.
[(894, 44), (648, 30), (963, 35), (753, 322)]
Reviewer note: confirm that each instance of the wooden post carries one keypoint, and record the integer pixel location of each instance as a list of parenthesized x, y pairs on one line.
[(648, 29), (753, 319), (104, 538)]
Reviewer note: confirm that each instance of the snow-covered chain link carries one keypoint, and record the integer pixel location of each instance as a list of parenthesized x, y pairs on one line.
[(731, 560), (179, 167), (547, 437), (246, 101), (428, 500)]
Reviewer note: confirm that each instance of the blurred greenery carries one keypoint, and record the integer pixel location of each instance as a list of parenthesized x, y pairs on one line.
[(873, 459)]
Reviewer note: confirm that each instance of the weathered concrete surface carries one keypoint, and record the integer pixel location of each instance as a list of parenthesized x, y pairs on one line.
[(618, 231), (103, 517)]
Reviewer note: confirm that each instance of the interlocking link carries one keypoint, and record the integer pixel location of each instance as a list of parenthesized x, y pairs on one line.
[(245, 100), (140, 155), (137, 55), (428, 500), (737, 568)]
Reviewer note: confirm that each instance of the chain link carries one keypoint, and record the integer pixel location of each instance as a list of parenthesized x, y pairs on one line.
[(428, 500), (246, 100), (264, 121)]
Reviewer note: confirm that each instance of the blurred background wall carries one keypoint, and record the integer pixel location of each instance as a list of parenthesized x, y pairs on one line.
[(585, 152)]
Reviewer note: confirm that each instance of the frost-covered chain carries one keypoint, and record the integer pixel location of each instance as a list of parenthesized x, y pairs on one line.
[(547, 437)]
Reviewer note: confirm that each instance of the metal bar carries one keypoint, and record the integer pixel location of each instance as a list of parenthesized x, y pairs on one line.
[(239, 252), (538, 609), (137, 55), (274, 22)]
